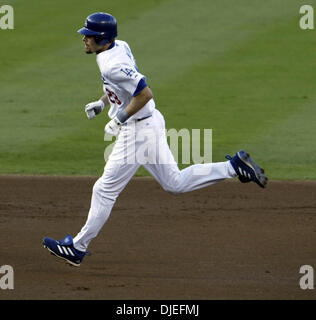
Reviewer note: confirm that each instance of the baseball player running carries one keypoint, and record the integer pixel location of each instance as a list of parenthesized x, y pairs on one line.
[(133, 115)]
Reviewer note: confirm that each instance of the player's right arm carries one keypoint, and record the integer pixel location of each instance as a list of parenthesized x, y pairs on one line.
[(94, 108), (105, 100)]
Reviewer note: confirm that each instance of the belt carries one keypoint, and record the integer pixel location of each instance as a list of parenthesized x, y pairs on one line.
[(125, 123), (143, 118)]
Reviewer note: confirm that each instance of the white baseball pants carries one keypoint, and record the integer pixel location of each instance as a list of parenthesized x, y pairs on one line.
[(144, 143)]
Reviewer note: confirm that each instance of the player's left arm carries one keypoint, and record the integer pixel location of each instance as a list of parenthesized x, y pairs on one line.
[(128, 78), (139, 101), (142, 94)]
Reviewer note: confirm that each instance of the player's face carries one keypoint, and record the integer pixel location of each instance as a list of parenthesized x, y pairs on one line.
[(90, 45)]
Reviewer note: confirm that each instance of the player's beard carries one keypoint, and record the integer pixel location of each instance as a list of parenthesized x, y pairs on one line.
[(88, 50)]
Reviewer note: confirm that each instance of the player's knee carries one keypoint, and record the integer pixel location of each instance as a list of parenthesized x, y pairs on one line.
[(174, 189), (106, 189), (97, 187)]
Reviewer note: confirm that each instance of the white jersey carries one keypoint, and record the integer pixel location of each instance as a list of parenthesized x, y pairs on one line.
[(121, 78)]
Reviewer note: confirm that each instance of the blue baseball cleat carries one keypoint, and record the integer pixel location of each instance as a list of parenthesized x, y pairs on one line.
[(65, 249), (246, 169)]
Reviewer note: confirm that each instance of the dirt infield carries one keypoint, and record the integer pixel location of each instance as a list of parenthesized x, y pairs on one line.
[(228, 241)]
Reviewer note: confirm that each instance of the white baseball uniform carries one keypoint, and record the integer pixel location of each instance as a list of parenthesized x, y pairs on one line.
[(140, 142)]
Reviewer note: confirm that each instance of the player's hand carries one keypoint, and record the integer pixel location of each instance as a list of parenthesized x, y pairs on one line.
[(113, 127), (94, 108)]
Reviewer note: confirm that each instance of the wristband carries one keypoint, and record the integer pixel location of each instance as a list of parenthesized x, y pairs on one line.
[(122, 115)]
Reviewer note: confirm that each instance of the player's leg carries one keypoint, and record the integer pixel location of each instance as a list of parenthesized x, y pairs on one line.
[(104, 194), (194, 177), (165, 169), (117, 173)]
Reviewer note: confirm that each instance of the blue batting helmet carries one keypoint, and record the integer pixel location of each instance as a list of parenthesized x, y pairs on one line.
[(102, 26)]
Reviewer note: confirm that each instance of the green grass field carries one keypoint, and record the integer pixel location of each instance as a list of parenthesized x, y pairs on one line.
[(243, 68)]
